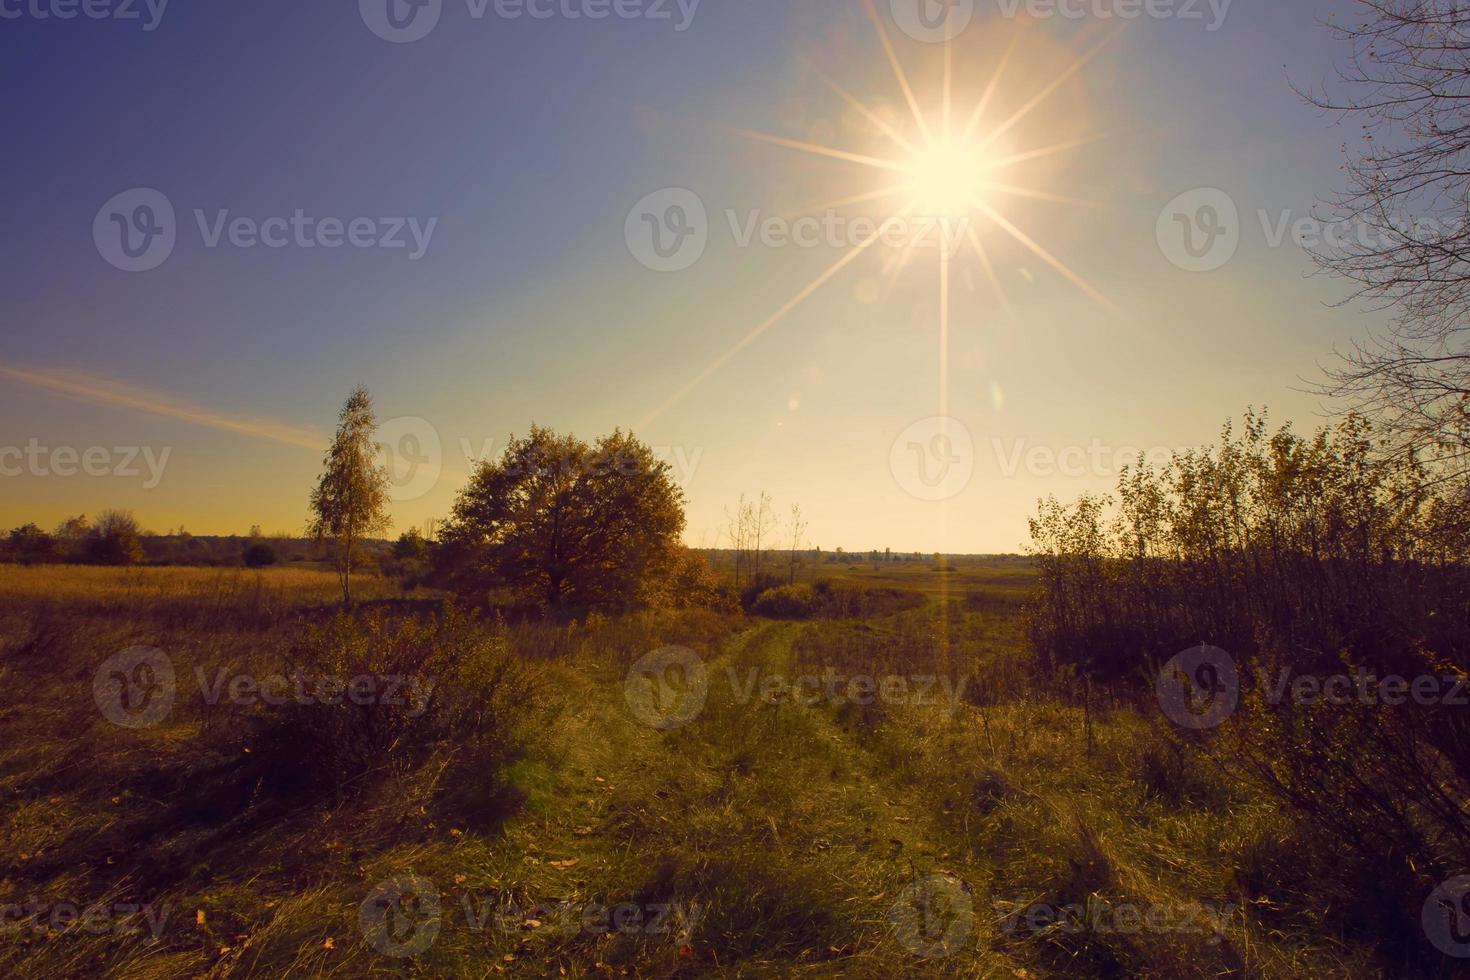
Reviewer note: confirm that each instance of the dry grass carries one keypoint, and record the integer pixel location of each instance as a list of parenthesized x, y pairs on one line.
[(778, 838)]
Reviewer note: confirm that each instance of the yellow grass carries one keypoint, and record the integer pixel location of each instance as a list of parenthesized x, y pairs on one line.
[(64, 583)]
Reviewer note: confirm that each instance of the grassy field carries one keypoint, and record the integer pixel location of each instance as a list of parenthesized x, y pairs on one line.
[(870, 798)]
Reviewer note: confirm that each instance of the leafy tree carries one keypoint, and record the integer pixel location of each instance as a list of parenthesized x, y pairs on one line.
[(71, 538), (29, 545), (557, 520), (116, 539), (411, 546), (350, 498)]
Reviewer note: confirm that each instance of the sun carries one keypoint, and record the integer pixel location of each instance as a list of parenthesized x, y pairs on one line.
[(947, 178), (942, 165)]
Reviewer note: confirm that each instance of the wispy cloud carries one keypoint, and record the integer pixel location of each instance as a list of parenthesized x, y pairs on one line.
[(98, 390)]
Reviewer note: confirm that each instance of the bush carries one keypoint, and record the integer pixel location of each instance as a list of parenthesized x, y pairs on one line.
[(1298, 557), (116, 539), (471, 710), (785, 602), (260, 556)]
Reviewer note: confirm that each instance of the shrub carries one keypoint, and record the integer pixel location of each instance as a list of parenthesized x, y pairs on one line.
[(116, 539), (1307, 556), (785, 602), (260, 556)]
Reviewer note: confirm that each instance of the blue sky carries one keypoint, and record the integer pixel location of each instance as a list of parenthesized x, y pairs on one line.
[(527, 141)]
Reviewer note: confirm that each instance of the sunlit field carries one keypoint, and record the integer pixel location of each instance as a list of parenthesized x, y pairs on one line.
[(701, 488), (995, 816)]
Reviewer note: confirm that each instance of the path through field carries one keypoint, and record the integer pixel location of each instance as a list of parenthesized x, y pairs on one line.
[(767, 831)]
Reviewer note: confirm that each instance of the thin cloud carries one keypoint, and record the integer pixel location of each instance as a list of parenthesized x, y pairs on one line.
[(107, 391)]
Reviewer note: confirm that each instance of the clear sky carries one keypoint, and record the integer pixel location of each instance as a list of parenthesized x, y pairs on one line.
[(506, 153)]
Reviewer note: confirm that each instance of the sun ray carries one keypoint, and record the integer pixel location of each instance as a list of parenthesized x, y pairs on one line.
[(989, 93), (1040, 195), (897, 264), (1043, 151), (1050, 259), (853, 199), (903, 82), (1046, 92), (1005, 300), (858, 104), (773, 319), (825, 151), (944, 331), (948, 88)]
